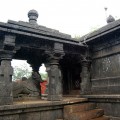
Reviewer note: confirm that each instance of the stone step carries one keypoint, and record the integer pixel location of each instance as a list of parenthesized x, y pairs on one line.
[(59, 119), (78, 108), (68, 109), (102, 118), (86, 115)]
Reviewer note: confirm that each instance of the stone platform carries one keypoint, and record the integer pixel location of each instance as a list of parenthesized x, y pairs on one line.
[(37, 109)]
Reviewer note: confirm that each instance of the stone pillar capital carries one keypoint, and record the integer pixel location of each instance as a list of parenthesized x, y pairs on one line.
[(6, 55), (9, 42), (54, 57), (85, 63)]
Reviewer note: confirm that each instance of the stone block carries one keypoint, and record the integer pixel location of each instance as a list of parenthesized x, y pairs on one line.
[(54, 97), (10, 117), (6, 100), (68, 109), (86, 115), (48, 115), (5, 90), (102, 118), (30, 116)]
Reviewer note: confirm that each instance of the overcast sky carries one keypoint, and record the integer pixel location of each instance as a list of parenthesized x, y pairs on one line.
[(74, 17)]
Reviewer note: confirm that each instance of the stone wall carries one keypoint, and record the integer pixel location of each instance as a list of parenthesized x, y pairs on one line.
[(104, 46), (31, 111), (105, 74)]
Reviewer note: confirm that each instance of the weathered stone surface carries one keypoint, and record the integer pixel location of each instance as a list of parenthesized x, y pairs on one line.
[(30, 116), (10, 117), (78, 108), (104, 46), (85, 77), (28, 87), (6, 72), (37, 110), (33, 15), (114, 118), (54, 73), (86, 115), (9, 42), (110, 108), (102, 118), (59, 119), (6, 100), (31, 42), (83, 111), (27, 41)]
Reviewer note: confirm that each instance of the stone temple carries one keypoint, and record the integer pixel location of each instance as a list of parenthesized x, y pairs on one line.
[(84, 75)]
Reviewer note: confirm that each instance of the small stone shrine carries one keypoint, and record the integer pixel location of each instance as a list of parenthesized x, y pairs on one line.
[(36, 44), (80, 72)]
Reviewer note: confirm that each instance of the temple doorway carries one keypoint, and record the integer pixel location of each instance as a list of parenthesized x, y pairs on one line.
[(71, 80)]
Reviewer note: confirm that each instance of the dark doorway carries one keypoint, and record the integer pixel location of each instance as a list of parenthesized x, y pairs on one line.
[(71, 79)]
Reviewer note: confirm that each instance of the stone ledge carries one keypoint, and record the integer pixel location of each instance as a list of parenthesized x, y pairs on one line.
[(103, 98), (37, 105), (114, 118)]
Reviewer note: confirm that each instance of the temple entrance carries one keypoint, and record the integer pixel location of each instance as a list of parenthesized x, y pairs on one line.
[(71, 80), (38, 44)]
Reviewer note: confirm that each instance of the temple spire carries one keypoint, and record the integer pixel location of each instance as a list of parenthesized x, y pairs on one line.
[(33, 15), (109, 18)]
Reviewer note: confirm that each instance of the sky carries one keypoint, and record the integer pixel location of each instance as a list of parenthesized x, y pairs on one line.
[(74, 17), (21, 64)]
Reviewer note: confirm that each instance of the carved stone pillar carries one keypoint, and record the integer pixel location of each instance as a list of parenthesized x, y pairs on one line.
[(54, 72), (6, 72), (55, 83), (85, 77)]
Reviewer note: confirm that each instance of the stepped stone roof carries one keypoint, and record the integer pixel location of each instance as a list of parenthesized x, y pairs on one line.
[(105, 30), (32, 29)]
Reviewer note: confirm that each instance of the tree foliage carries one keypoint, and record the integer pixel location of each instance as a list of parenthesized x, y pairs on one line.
[(20, 72), (44, 76), (25, 71)]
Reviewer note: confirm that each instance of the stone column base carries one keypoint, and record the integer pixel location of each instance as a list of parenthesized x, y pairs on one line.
[(55, 97)]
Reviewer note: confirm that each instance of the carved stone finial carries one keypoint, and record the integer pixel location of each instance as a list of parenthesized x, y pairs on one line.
[(33, 15), (110, 19)]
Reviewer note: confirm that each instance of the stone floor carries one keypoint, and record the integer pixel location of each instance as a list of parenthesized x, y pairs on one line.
[(66, 100)]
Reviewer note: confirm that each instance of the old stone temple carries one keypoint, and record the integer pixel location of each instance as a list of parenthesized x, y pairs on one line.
[(83, 75)]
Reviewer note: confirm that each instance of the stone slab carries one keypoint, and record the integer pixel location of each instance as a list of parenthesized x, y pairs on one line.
[(92, 114)]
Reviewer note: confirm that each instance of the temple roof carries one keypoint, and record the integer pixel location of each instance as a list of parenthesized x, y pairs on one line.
[(25, 28), (111, 27), (32, 29)]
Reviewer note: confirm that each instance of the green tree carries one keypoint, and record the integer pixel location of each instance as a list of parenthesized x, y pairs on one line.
[(24, 71), (44, 76), (20, 72)]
